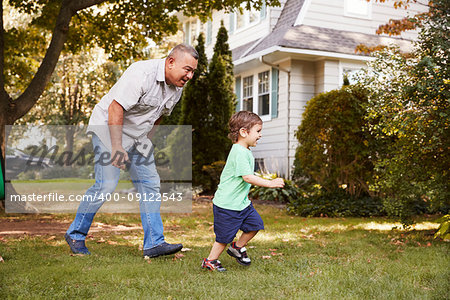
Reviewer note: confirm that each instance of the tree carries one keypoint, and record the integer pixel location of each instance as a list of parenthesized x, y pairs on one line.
[(222, 98), (334, 147), (118, 27), (396, 26), (195, 100), (77, 84), (409, 109)]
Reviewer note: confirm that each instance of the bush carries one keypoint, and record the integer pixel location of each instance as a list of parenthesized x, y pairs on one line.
[(283, 195), (409, 109), (337, 203), (334, 147), (443, 231), (213, 171), (28, 175), (59, 172)]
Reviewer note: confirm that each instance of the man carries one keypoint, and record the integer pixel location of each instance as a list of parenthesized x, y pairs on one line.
[(121, 125)]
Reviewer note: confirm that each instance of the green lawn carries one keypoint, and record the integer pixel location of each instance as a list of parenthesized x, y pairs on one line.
[(294, 258)]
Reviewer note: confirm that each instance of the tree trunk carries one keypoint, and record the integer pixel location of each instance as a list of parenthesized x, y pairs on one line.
[(14, 110)]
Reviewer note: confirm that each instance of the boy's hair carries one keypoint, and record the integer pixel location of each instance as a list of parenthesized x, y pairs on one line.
[(243, 119)]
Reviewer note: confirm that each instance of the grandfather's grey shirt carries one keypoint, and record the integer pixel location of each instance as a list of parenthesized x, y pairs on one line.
[(143, 93)]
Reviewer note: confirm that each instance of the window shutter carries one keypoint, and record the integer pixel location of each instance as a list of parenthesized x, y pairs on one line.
[(209, 33), (238, 93), (231, 22), (262, 12), (274, 93)]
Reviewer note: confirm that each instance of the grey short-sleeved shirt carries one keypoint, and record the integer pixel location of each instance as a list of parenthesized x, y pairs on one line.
[(145, 96)]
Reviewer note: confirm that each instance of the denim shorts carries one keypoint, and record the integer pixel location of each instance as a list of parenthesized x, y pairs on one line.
[(228, 222)]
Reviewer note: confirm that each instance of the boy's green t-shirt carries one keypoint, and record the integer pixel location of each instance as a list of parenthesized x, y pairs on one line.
[(232, 192)]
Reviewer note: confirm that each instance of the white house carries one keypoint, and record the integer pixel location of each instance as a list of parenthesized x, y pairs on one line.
[(283, 56)]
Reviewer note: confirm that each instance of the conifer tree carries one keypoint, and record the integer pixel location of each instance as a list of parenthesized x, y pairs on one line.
[(222, 97), (194, 112)]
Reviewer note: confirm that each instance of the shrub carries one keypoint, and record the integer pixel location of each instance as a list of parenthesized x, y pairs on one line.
[(213, 171), (409, 108), (28, 175), (283, 195), (337, 203), (59, 172), (443, 231), (334, 148)]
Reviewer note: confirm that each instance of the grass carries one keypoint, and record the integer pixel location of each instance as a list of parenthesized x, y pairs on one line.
[(294, 258)]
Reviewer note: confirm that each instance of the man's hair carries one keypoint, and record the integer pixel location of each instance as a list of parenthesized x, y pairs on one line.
[(243, 119), (184, 48)]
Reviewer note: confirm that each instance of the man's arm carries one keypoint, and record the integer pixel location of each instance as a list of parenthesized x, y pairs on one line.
[(255, 180), (115, 124)]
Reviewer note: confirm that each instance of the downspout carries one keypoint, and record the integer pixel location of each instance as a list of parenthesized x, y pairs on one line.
[(288, 72)]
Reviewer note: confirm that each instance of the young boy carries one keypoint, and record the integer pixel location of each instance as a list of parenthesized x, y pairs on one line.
[(231, 207)]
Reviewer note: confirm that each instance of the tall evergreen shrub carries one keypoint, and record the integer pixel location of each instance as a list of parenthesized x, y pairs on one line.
[(222, 97), (194, 111)]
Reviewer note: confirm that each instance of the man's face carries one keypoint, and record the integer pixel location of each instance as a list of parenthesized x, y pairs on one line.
[(180, 69)]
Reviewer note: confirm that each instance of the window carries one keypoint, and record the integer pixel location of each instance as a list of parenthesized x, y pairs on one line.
[(240, 20), (263, 94), (193, 29), (246, 18), (193, 32), (247, 99), (253, 16), (358, 8), (256, 94)]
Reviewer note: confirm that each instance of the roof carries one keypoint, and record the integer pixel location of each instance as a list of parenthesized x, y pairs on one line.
[(285, 34), (240, 51), (289, 13), (324, 39)]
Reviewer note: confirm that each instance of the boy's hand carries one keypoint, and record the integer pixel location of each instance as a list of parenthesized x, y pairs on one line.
[(277, 183)]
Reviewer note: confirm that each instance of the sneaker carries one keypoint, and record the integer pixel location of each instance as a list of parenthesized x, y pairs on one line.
[(77, 246), (163, 249), (213, 265), (240, 253)]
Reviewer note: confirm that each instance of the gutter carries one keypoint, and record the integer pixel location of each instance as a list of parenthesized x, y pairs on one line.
[(261, 59), (320, 53)]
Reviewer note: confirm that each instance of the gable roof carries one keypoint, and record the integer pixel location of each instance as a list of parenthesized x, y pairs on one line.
[(289, 13), (285, 34), (324, 39)]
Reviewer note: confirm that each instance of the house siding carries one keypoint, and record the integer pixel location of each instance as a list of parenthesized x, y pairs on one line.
[(327, 75), (273, 144), (278, 144), (240, 37), (306, 78), (274, 13), (330, 14)]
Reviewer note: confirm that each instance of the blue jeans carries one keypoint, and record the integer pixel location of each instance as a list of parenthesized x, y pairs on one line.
[(146, 180)]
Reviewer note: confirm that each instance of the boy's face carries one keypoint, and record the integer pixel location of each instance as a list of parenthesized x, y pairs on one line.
[(252, 136)]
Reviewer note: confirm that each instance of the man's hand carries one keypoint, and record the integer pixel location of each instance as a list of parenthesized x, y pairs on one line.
[(277, 183), (119, 158)]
